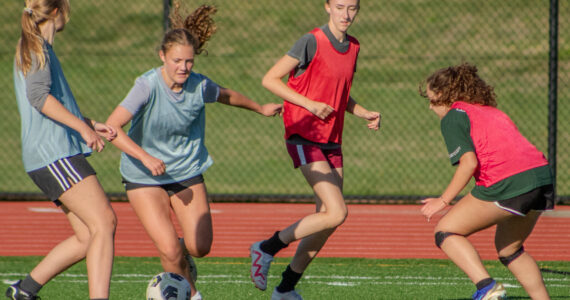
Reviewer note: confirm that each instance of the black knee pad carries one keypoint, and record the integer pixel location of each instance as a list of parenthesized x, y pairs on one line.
[(442, 235), (509, 259)]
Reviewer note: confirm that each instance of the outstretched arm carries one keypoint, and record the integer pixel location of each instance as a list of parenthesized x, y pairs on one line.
[(374, 118), (465, 170), (118, 119), (233, 98), (274, 83), (53, 109)]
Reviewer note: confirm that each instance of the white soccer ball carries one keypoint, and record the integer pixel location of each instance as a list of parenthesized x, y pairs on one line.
[(168, 286)]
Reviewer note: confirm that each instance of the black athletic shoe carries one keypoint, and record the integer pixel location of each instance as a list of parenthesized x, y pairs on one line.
[(15, 293)]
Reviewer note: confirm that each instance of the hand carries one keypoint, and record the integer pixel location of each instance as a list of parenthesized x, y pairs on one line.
[(432, 206), (374, 120), (105, 131), (319, 109), (272, 109), (92, 140), (154, 165)]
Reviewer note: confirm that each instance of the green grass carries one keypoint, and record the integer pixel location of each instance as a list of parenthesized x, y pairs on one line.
[(107, 44), (326, 278)]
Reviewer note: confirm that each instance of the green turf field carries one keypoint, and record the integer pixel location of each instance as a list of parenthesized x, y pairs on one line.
[(327, 278)]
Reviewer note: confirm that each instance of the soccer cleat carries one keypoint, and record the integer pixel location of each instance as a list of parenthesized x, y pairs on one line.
[(189, 260), (291, 295), (260, 262), (494, 291), (15, 293), (196, 296)]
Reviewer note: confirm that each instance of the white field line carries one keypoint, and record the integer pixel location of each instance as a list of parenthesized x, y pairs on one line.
[(333, 280)]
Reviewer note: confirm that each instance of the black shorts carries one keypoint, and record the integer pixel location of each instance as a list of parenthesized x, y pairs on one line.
[(61, 175), (541, 198), (170, 188)]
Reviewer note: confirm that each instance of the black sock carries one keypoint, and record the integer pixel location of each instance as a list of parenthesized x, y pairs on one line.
[(483, 283), (272, 245), (29, 285), (289, 281)]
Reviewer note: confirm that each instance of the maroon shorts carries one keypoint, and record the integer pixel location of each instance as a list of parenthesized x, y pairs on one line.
[(306, 154)]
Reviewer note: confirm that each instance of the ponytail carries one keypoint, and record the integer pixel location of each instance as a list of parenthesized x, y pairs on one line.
[(195, 29), (31, 41)]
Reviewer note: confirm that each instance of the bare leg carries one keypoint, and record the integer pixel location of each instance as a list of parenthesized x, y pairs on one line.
[(193, 213), (94, 222), (152, 206), (461, 220), (331, 211), (510, 237)]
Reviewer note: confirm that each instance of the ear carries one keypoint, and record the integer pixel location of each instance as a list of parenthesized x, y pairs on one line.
[(54, 12), (327, 7), (162, 56)]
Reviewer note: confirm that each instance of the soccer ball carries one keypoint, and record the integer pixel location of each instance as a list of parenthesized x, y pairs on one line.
[(168, 286)]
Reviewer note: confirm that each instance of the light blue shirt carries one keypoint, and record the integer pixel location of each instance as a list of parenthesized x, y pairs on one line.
[(169, 126), (43, 139)]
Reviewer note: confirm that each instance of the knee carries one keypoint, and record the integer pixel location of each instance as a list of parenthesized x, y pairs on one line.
[(440, 236), (507, 259), (337, 217), (171, 253)]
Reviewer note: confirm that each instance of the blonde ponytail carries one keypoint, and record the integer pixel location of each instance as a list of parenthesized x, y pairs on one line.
[(31, 41)]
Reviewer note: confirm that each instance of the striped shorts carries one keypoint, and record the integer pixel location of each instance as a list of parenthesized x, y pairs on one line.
[(61, 175)]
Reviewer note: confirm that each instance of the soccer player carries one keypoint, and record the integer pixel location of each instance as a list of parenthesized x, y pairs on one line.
[(320, 66), (513, 182), (56, 138), (164, 155)]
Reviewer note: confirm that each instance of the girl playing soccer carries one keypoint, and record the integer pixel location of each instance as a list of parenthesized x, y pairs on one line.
[(513, 181), (55, 140), (164, 152), (321, 66)]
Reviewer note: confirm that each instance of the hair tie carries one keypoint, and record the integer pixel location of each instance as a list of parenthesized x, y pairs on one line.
[(28, 10)]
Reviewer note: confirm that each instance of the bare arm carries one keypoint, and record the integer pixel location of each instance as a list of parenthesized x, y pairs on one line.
[(233, 98), (118, 119), (274, 83), (53, 109), (374, 118), (465, 170)]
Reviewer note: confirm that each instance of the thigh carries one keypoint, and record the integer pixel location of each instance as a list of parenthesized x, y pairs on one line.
[(470, 215), (88, 202), (326, 183), (152, 207), (192, 210), (512, 232)]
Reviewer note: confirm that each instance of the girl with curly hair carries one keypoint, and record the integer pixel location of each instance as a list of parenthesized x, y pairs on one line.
[(513, 181), (164, 155)]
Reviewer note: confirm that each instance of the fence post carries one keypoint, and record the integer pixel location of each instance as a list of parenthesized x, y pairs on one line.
[(552, 88), (166, 20)]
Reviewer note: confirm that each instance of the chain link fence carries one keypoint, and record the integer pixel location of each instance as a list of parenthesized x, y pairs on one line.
[(107, 44)]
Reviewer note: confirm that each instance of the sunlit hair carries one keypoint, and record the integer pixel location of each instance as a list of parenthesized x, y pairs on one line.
[(357, 3), (195, 29), (459, 83), (34, 14)]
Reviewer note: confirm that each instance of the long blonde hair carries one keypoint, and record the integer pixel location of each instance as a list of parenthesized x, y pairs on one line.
[(35, 13), (195, 29)]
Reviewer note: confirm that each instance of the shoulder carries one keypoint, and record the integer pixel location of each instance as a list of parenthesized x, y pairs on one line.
[(454, 117)]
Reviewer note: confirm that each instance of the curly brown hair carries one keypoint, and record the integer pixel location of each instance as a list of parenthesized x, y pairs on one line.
[(459, 83), (195, 29)]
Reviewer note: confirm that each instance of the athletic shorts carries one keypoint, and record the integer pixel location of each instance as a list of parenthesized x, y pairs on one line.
[(541, 198), (61, 175), (170, 188), (303, 154)]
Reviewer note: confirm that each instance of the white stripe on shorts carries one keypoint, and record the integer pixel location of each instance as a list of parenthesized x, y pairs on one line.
[(60, 179), (301, 154), (70, 170)]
